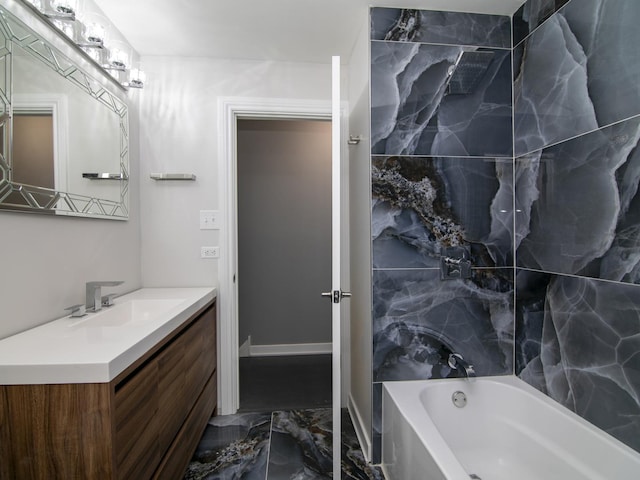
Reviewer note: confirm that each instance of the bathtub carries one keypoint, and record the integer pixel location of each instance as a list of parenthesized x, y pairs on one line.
[(506, 430)]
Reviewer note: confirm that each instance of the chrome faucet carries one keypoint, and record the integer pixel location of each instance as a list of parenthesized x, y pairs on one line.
[(94, 294), (456, 362)]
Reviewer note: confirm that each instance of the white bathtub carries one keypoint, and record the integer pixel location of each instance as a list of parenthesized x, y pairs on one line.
[(507, 431)]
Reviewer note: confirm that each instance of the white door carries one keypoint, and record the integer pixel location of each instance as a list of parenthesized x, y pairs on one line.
[(336, 295)]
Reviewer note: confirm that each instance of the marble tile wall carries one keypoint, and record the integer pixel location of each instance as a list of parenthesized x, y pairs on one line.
[(531, 15), (415, 112), (577, 228), (578, 341), (428, 26), (442, 176), (577, 72)]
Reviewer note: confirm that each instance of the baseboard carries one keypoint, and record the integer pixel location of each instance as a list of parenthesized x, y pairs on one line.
[(245, 348), (361, 432), (290, 349)]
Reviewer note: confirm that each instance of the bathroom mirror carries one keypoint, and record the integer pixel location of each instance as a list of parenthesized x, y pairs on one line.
[(63, 132)]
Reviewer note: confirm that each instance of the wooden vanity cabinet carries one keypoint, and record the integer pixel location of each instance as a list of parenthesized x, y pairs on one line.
[(145, 424)]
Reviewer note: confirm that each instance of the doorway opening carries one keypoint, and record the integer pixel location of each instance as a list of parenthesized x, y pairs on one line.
[(231, 110), (284, 262)]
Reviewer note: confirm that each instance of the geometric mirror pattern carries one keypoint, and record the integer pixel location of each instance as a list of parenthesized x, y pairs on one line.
[(45, 200)]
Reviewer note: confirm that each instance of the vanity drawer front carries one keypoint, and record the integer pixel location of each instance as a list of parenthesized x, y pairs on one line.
[(42, 427), (174, 402), (153, 402), (200, 356), (135, 413), (177, 458)]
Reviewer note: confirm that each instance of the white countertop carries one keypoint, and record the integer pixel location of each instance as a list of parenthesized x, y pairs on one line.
[(98, 347)]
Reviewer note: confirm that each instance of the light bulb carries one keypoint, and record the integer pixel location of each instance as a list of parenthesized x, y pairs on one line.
[(118, 59), (67, 7), (137, 78), (94, 33)]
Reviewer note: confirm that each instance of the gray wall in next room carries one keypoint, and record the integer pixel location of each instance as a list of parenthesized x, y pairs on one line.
[(284, 231)]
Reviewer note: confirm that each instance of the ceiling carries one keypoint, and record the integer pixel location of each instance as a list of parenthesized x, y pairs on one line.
[(280, 30)]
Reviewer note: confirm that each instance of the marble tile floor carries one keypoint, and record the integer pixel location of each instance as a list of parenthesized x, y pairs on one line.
[(293, 445)]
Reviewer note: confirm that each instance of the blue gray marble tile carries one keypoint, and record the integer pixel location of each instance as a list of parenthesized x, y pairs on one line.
[(301, 445), (578, 341), (579, 71), (301, 448), (578, 208), (440, 100), (429, 26), (292, 444), (232, 447), (419, 319), (531, 15), (424, 204)]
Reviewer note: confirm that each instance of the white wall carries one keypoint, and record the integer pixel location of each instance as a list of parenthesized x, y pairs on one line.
[(180, 134), (360, 231)]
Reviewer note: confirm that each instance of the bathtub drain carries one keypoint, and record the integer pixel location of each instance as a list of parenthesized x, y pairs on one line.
[(459, 399)]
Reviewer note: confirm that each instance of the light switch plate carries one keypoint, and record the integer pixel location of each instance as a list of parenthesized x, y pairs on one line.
[(209, 220)]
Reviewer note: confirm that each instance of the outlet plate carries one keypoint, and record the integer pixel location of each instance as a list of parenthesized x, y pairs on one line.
[(209, 220), (209, 252)]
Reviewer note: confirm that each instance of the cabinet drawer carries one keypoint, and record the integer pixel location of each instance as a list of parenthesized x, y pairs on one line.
[(154, 401), (174, 403), (177, 458), (135, 414), (200, 356)]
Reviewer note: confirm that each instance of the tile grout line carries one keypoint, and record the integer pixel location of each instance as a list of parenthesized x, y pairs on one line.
[(266, 470)]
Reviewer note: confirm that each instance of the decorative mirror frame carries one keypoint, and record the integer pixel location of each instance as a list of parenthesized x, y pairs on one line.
[(14, 31)]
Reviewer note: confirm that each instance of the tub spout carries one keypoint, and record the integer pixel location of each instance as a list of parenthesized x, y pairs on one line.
[(456, 362)]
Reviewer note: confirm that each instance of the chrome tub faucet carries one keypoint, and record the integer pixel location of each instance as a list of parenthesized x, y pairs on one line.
[(457, 362)]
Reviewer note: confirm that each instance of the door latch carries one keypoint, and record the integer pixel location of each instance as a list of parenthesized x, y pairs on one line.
[(336, 295)]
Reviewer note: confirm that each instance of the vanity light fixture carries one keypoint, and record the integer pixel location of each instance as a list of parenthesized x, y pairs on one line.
[(119, 58), (87, 29), (65, 26), (62, 9), (94, 30), (136, 78)]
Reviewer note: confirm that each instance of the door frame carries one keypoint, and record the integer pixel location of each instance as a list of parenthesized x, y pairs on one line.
[(55, 104), (230, 110)]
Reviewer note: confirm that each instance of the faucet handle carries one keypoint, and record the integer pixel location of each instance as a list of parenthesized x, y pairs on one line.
[(107, 300), (79, 310), (454, 360)]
